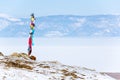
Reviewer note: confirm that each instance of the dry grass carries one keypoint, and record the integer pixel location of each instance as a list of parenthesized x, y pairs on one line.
[(43, 66), (17, 65), (68, 73)]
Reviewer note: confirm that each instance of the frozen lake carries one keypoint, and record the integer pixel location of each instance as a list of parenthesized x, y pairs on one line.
[(102, 54)]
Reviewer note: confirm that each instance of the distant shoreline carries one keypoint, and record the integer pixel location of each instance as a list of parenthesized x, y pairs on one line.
[(114, 75)]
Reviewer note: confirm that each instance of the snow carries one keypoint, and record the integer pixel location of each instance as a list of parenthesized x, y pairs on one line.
[(17, 74), (10, 69)]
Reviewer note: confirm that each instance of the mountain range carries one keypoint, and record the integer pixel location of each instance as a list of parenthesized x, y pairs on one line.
[(62, 26)]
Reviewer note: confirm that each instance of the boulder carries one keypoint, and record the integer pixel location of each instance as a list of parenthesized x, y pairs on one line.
[(23, 55), (1, 54), (32, 57)]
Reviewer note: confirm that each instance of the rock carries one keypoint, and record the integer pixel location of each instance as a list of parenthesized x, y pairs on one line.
[(11, 67), (32, 57), (1, 54), (15, 54), (20, 55), (18, 64), (23, 55)]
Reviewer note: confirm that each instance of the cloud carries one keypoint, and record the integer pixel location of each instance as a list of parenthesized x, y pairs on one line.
[(21, 34), (54, 34), (22, 23), (5, 20), (102, 32), (3, 24), (105, 23), (79, 22), (107, 30), (41, 26), (8, 17)]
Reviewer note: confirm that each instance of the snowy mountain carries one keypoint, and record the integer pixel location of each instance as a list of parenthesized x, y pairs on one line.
[(21, 67), (62, 26)]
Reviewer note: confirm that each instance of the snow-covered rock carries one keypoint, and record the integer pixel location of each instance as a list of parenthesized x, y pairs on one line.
[(23, 68)]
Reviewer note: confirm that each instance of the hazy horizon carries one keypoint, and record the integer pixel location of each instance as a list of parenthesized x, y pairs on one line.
[(23, 8), (94, 53)]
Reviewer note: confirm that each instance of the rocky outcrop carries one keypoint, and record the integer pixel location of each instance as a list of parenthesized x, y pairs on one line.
[(23, 55), (18, 65)]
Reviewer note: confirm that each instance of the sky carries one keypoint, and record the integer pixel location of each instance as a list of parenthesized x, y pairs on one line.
[(23, 8)]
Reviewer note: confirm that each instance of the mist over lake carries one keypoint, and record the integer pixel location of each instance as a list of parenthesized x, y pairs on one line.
[(101, 54)]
